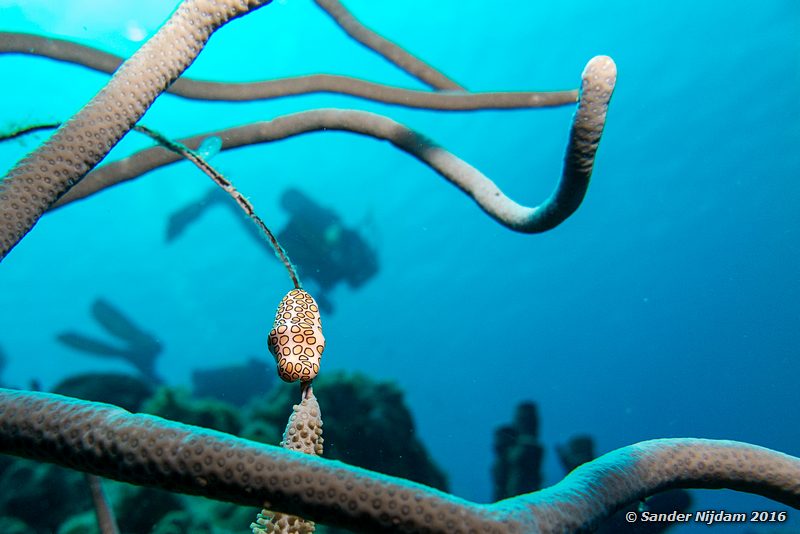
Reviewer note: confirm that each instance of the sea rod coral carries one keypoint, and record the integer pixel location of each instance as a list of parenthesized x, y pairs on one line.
[(45, 175), (147, 450), (108, 441)]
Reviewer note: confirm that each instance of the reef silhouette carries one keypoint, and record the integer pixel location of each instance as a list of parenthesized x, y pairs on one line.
[(139, 348), (517, 470)]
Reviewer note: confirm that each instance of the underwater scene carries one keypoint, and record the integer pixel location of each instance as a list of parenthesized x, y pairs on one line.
[(471, 344)]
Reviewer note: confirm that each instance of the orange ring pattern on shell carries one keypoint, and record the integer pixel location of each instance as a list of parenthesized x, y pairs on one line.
[(296, 339)]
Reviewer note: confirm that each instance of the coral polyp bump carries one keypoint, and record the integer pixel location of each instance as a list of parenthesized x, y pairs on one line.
[(296, 339)]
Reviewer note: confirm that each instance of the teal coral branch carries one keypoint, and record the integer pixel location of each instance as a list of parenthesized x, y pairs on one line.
[(141, 449)]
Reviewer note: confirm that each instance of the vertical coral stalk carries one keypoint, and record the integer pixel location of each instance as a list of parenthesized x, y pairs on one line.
[(304, 434)]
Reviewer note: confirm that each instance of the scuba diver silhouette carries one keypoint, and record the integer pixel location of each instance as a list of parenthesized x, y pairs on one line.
[(319, 244)]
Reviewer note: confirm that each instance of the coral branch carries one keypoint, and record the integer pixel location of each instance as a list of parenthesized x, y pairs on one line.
[(44, 175), (386, 48), (110, 442), (630, 474), (303, 434), (146, 450), (587, 126), (106, 522), (63, 50)]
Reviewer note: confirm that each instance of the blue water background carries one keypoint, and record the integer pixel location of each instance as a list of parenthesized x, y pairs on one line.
[(666, 306)]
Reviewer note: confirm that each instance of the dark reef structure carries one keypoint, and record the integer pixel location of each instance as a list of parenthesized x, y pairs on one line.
[(126, 391), (518, 454), (517, 470), (150, 451), (140, 348), (236, 383)]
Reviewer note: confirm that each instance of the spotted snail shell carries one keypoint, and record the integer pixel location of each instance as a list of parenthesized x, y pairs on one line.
[(296, 339)]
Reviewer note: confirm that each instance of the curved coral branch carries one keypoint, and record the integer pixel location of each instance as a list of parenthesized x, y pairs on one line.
[(587, 127), (632, 473), (63, 50), (386, 48), (110, 442), (44, 175)]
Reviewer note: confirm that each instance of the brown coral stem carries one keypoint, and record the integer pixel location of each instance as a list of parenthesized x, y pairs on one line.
[(106, 523), (386, 48), (146, 450), (587, 126), (92, 58)]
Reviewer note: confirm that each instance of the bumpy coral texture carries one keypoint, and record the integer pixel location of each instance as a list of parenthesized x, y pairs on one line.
[(303, 434), (113, 443), (296, 339), (304, 430), (42, 177)]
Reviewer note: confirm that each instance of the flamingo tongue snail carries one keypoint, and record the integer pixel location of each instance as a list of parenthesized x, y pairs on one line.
[(296, 339)]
